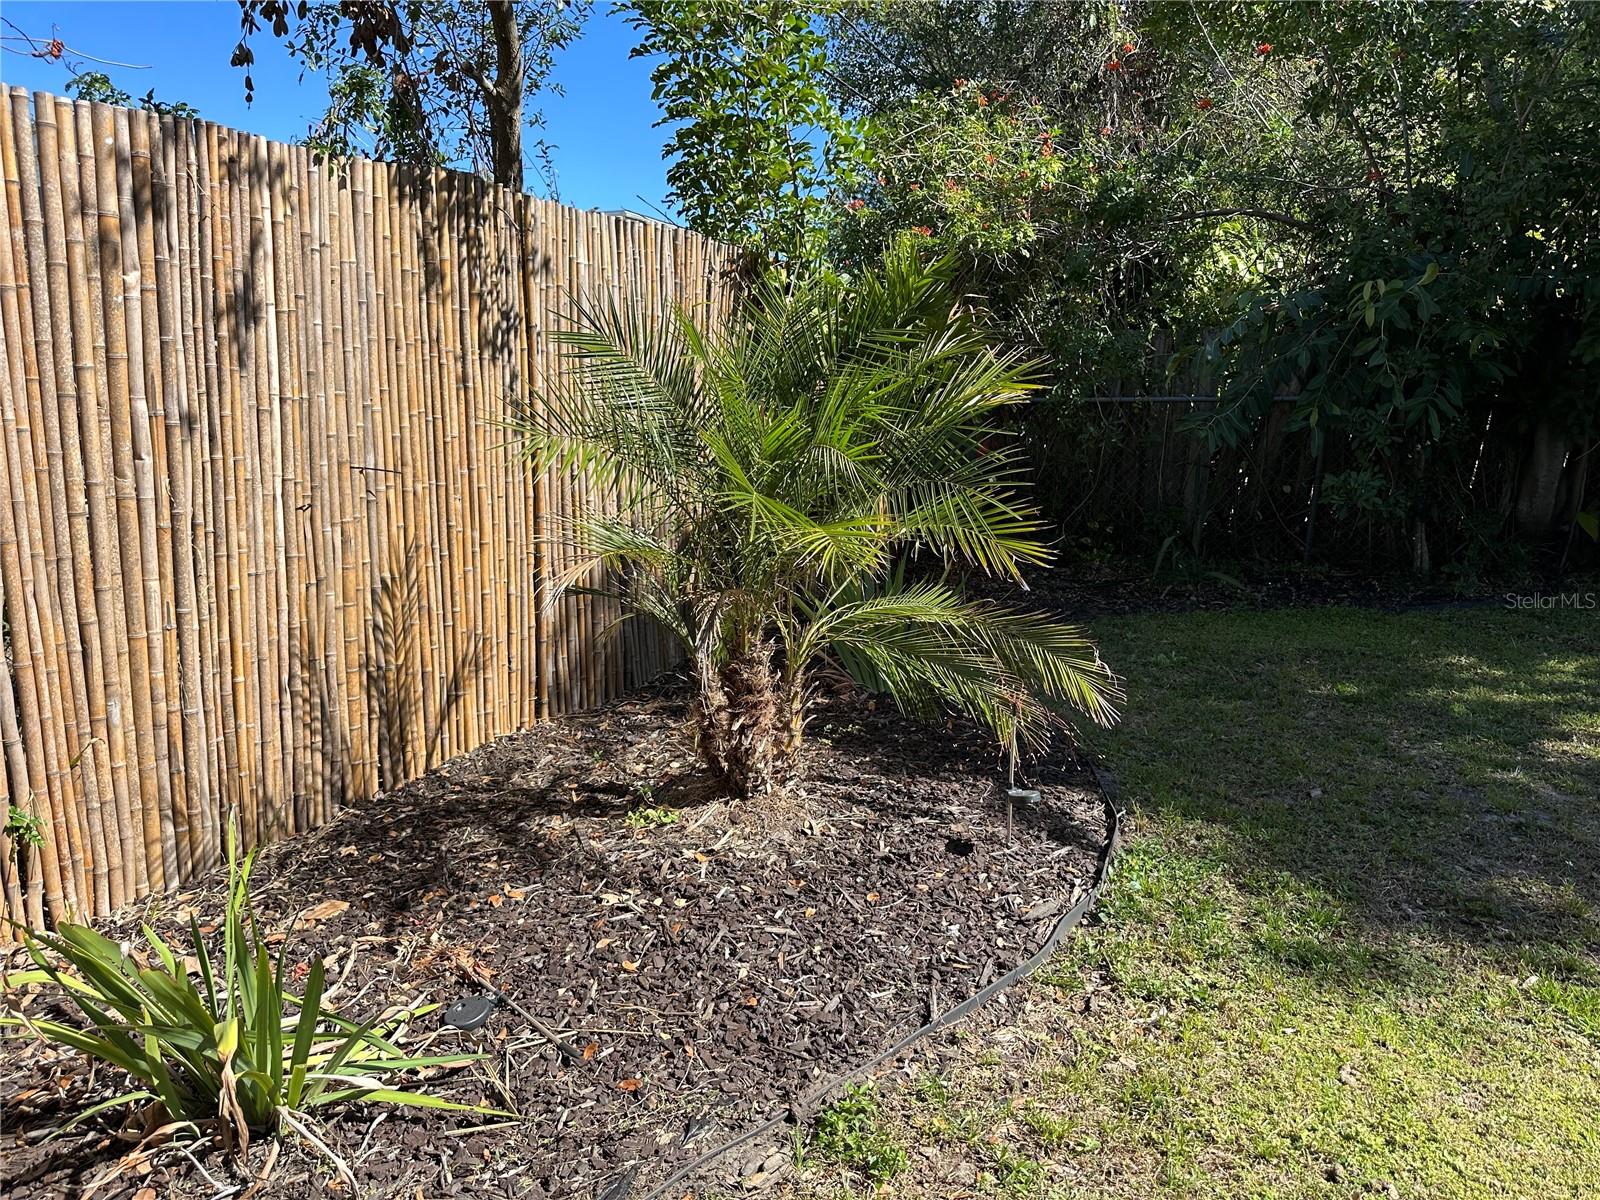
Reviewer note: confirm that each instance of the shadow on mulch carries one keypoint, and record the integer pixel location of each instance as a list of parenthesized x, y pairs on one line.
[(713, 961)]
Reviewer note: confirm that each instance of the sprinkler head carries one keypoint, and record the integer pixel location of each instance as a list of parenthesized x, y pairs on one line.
[(471, 1012), (1026, 798)]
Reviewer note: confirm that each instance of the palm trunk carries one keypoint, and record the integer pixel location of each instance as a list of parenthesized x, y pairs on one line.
[(747, 720)]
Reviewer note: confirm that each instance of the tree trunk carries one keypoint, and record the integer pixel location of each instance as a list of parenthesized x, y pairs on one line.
[(747, 722), (1417, 521), (1543, 464), (504, 99)]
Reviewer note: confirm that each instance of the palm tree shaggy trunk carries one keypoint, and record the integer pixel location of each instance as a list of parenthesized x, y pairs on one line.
[(747, 721)]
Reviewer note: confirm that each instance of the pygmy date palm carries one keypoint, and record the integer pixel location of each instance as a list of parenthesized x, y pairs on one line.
[(776, 474)]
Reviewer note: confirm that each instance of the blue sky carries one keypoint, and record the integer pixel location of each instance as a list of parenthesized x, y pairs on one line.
[(607, 153)]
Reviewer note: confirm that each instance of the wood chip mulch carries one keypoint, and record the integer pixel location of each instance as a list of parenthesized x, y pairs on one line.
[(707, 963)]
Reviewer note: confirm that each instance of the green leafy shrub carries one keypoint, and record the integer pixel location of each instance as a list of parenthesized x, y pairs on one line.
[(239, 1052), (775, 474), (971, 170)]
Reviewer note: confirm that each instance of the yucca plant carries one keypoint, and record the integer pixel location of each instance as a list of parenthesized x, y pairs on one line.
[(236, 1053), (776, 473)]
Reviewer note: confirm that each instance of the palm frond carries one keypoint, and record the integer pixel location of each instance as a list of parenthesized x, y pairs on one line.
[(928, 647)]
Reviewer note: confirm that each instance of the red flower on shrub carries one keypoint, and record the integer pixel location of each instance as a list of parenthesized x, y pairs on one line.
[(924, 230), (1113, 64), (856, 205), (1264, 49), (1203, 104), (916, 187), (1127, 47), (951, 185), (982, 100)]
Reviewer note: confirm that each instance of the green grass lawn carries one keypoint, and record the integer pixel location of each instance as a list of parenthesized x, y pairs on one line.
[(1353, 947)]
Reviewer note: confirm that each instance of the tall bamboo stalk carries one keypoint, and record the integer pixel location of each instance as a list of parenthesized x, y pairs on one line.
[(55, 880), (77, 824)]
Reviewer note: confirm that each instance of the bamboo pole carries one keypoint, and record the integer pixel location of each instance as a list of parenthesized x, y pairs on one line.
[(255, 285), (88, 306), (324, 645), (15, 784), (178, 373), (159, 564), (274, 334), (78, 822), (111, 851), (57, 882), (22, 729), (156, 522), (116, 428), (301, 725), (416, 532), (230, 500), (216, 590), (423, 263)]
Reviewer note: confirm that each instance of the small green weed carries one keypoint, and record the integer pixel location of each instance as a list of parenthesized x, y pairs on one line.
[(850, 1133), (649, 818), (23, 828), (1052, 1129)]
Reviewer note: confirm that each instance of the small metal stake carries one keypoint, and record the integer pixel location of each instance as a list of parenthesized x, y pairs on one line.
[(1028, 798)]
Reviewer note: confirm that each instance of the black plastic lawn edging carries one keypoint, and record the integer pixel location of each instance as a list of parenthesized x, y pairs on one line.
[(621, 1187)]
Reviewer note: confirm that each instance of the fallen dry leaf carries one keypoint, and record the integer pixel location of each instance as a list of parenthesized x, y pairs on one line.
[(590, 1051), (629, 966), (321, 912), (628, 1085)]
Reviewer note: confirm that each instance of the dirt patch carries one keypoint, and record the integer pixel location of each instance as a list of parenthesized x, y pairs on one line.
[(709, 962)]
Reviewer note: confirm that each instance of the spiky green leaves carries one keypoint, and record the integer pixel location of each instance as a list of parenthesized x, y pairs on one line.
[(776, 471), (218, 1044)]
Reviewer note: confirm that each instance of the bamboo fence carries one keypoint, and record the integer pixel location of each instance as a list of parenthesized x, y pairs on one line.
[(263, 545)]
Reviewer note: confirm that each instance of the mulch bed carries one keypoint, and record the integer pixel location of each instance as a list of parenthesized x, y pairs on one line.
[(713, 966)]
